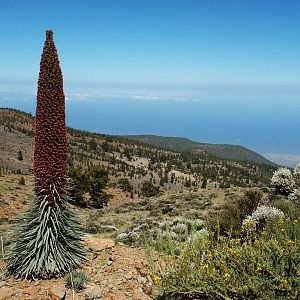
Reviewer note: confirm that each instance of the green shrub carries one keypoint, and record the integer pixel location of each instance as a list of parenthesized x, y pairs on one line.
[(149, 189), (249, 202), (90, 182), (230, 218), (77, 280), (288, 207), (22, 180), (125, 185)]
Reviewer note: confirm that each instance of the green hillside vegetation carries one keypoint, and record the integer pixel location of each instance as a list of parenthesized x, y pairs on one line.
[(124, 158), (225, 151)]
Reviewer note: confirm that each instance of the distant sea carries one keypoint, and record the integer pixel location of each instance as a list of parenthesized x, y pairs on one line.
[(269, 126)]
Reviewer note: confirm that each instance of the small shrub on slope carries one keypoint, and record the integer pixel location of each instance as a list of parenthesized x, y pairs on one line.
[(259, 217), (77, 280), (283, 181), (235, 210)]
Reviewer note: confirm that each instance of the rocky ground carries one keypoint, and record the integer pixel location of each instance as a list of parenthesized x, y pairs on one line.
[(115, 271)]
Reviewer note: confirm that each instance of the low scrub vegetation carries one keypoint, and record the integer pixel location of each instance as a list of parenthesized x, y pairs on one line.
[(260, 264), (257, 259), (158, 233)]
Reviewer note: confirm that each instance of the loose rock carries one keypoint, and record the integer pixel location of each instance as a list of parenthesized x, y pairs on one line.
[(142, 280), (110, 261), (97, 244), (58, 292), (93, 292)]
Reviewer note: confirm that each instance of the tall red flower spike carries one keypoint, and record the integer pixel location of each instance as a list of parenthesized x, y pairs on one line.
[(48, 236), (50, 150)]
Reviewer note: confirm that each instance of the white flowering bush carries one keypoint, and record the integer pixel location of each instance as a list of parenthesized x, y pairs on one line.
[(283, 181), (295, 196), (297, 171), (287, 183), (197, 235), (149, 231), (256, 220)]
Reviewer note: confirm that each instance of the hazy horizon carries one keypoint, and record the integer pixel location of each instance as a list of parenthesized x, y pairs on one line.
[(205, 113), (217, 71)]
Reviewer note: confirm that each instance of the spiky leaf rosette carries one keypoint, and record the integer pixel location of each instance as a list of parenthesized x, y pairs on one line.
[(47, 242), (48, 237), (50, 143)]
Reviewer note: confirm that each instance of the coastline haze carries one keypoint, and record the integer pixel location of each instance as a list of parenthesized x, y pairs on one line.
[(206, 113)]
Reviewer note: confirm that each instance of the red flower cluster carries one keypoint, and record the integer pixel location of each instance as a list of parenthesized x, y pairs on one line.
[(50, 148)]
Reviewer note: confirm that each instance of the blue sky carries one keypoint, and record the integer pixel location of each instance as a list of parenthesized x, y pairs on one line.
[(154, 41), (222, 71)]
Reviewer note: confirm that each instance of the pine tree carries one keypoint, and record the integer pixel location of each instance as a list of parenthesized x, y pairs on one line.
[(20, 155), (48, 236)]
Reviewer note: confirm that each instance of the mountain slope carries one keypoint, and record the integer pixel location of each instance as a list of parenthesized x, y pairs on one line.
[(133, 161), (225, 151)]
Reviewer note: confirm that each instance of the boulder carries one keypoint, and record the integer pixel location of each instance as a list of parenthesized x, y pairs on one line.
[(58, 292), (93, 292), (97, 245)]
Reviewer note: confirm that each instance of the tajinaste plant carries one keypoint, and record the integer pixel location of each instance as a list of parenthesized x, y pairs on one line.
[(48, 236)]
